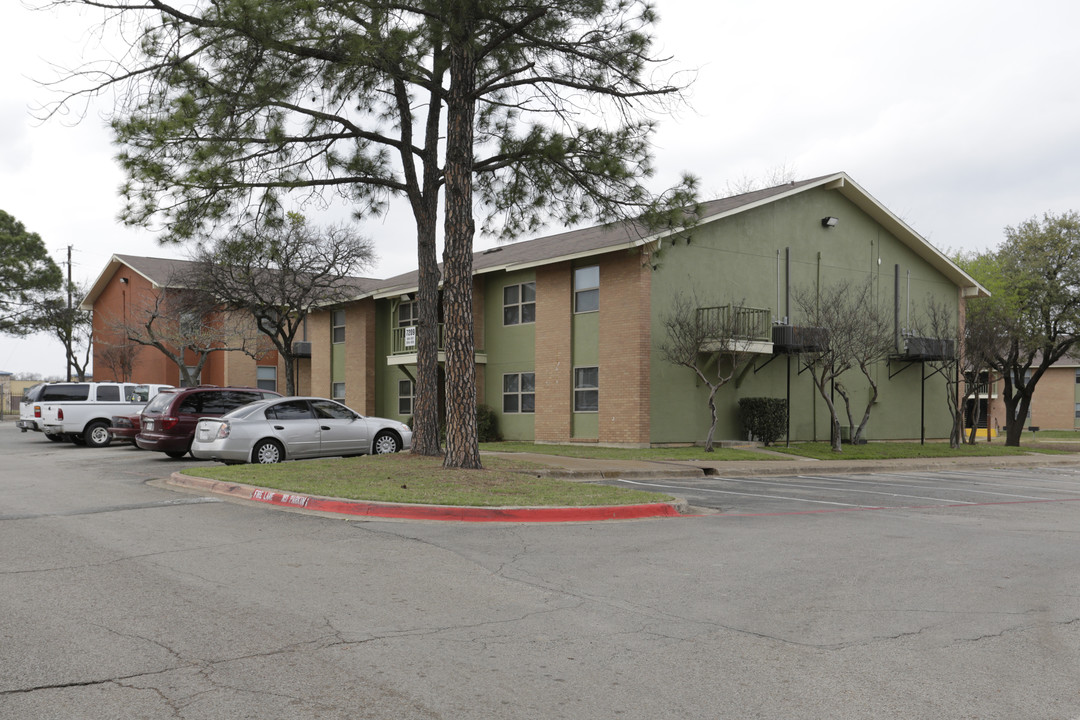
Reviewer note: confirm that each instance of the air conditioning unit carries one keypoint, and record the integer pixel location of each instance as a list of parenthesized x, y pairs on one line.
[(301, 348)]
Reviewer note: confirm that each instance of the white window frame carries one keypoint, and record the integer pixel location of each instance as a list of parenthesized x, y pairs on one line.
[(518, 393), (337, 391), (581, 390), (518, 306), (408, 396), (582, 290), (337, 326), (266, 370)]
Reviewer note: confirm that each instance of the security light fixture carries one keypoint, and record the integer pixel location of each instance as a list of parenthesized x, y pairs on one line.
[(829, 222), (123, 281)]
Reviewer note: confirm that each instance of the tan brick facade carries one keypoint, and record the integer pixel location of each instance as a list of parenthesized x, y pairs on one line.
[(553, 353), (318, 332), (359, 356), (624, 349)]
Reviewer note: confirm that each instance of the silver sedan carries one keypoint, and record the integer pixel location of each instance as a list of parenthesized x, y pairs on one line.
[(269, 431)]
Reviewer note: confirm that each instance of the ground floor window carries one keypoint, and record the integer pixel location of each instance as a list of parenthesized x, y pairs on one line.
[(337, 391), (406, 392), (195, 377), (519, 392), (587, 389), (266, 377)]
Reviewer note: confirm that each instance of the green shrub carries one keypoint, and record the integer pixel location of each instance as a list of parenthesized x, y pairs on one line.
[(487, 424), (764, 419)]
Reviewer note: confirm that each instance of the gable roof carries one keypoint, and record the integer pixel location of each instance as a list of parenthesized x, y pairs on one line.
[(602, 239), (164, 272)]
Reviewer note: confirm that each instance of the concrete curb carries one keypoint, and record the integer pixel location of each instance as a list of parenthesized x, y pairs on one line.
[(400, 511)]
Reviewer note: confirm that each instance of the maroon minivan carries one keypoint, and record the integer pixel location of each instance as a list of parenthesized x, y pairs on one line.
[(168, 421)]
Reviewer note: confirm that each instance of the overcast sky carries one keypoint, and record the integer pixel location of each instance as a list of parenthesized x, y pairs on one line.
[(960, 117)]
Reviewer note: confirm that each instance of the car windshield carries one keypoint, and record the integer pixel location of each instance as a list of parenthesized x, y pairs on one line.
[(32, 394)]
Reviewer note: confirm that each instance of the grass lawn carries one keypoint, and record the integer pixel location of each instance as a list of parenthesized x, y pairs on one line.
[(405, 478), (890, 451), (609, 453)]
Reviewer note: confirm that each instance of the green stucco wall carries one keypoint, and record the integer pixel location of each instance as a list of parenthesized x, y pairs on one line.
[(735, 260), (510, 349)]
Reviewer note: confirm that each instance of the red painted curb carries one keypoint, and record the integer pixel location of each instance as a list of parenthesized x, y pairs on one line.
[(429, 512)]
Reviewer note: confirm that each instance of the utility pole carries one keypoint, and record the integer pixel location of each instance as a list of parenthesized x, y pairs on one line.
[(69, 310)]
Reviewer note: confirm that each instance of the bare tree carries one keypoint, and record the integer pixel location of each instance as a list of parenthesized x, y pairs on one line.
[(951, 362), (838, 315), (776, 175), (278, 274), (697, 336), (187, 326), (870, 344), (119, 360)]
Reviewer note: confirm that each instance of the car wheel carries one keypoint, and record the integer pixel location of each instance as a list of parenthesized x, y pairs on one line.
[(176, 454), (55, 438), (385, 442), (97, 435), (267, 451)]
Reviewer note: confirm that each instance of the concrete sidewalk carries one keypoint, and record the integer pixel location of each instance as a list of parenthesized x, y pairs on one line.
[(771, 464)]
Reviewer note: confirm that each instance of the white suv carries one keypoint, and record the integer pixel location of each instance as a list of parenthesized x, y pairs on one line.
[(82, 412)]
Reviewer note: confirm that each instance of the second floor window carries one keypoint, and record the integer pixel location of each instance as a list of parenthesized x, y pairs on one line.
[(408, 313), (337, 326), (587, 289), (519, 304)]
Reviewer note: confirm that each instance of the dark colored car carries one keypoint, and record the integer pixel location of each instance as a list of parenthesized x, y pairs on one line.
[(167, 423), (124, 428)]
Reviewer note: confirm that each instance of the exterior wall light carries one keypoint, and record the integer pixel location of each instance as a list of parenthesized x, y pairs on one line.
[(829, 222), (123, 281)]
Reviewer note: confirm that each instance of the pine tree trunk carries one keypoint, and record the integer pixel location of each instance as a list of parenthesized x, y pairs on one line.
[(462, 448), (426, 395)]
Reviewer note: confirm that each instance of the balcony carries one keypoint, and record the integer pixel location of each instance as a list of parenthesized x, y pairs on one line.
[(925, 348), (795, 339), (403, 342), (741, 329)]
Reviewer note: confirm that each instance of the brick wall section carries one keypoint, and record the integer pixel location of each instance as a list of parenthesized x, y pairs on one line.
[(360, 356), (1053, 405), (318, 332), (624, 349), (150, 365), (553, 360)]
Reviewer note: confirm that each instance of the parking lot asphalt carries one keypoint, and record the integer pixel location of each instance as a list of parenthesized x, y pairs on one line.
[(732, 487)]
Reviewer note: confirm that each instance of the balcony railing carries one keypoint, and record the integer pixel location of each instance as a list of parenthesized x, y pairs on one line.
[(403, 340), (738, 323)]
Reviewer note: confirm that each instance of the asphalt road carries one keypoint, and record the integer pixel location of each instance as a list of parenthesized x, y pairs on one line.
[(123, 599)]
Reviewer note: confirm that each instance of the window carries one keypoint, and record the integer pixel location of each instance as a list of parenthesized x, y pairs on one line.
[(1078, 411), (337, 390), (266, 377), (519, 304), (195, 377), (406, 391), (337, 327), (332, 410), (108, 393), (587, 389), (65, 393), (519, 392), (292, 410), (1078, 377), (408, 313), (587, 289)]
